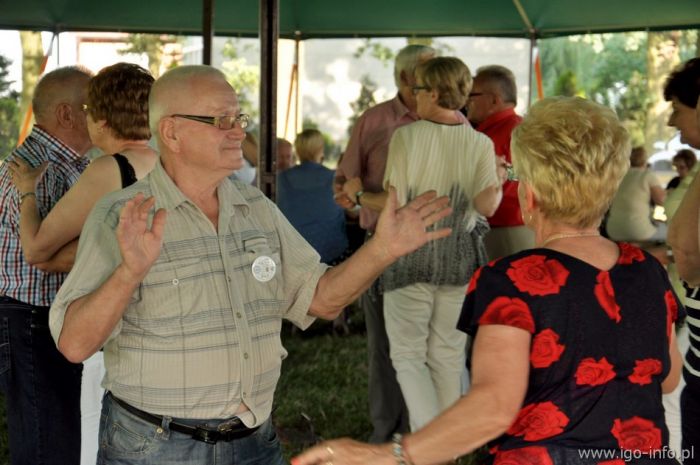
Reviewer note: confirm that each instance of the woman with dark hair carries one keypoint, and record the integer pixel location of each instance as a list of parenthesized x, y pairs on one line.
[(683, 162), (117, 117)]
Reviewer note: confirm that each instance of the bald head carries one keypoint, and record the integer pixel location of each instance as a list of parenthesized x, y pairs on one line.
[(66, 85), (172, 92)]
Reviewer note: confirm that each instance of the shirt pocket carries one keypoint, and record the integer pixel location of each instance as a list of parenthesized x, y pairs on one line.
[(261, 267), (173, 288)]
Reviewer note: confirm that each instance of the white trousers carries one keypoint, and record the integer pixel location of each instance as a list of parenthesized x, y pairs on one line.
[(91, 407), (672, 400), (426, 349)]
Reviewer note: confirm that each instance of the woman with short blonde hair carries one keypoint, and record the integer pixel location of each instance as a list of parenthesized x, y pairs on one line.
[(574, 340), (309, 145)]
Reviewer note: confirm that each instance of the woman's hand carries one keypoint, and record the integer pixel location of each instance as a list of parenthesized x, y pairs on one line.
[(346, 452), (24, 177)]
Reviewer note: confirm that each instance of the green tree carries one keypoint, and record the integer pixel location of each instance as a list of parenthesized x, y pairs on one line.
[(566, 84), (153, 46), (9, 110), (364, 101), (243, 77), (32, 58)]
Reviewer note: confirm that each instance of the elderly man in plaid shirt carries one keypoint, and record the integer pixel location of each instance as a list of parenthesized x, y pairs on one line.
[(41, 387), (189, 308)]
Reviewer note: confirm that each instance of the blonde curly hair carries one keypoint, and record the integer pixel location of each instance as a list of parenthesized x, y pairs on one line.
[(573, 153)]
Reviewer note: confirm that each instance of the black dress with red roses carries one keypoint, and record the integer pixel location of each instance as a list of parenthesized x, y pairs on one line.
[(598, 356)]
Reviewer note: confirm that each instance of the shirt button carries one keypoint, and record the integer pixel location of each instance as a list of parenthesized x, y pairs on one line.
[(245, 355), (176, 282), (228, 278), (245, 394), (159, 430), (238, 315)]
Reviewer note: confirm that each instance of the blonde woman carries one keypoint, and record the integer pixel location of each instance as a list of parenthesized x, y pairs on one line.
[(574, 339), (305, 196)]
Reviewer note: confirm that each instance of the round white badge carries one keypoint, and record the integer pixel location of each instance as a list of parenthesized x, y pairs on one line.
[(264, 268)]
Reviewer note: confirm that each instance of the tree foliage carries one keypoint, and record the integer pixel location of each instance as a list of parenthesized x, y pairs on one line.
[(243, 77), (154, 47), (613, 69), (364, 101), (9, 110)]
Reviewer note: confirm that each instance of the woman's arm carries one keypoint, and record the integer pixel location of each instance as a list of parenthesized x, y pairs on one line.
[(40, 240), (500, 369), (674, 375), (658, 195), (62, 261), (683, 235)]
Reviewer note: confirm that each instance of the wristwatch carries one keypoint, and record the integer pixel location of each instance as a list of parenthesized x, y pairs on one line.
[(358, 194)]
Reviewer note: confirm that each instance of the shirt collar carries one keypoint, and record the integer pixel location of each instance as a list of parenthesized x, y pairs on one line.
[(495, 118), (401, 110), (169, 196), (65, 154)]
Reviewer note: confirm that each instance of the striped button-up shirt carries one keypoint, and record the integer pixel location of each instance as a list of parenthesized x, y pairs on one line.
[(18, 279), (202, 331)]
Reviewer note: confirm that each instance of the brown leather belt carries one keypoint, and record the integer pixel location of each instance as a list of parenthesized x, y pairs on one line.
[(227, 431)]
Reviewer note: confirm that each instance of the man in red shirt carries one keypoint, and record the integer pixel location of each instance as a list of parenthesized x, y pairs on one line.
[(491, 109)]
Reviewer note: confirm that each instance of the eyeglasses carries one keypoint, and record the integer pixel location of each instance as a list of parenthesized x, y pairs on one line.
[(416, 89), (224, 122)]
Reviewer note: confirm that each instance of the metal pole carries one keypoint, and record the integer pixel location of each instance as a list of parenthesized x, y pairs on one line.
[(533, 44), (207, 30), (269, 32)]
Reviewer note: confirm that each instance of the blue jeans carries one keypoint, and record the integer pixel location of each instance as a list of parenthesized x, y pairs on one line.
[(42, 389), (127, 439)]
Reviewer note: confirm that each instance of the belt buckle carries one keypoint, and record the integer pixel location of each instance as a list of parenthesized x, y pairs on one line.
[(225, 428), (205, 435)]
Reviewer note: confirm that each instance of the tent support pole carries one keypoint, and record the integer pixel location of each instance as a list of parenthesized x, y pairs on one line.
[(267, 154), (533, 45), (207, 30)]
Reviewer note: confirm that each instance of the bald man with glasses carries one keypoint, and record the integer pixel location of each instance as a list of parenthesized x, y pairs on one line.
[(184, 279)]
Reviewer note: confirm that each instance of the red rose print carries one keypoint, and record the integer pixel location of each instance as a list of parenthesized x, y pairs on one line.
[(629, 254), (592, 373), (524, 456), (644, 370), (605, 294), (507, 311), (538, 421), (637, 434), (545, 349), (475, 278), (537, 276), (671, 311), (612, 462)]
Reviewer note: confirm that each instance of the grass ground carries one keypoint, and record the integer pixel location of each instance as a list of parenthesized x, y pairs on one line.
[(322, 392)]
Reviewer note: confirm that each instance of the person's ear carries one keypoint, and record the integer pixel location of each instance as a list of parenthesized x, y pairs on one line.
[(531, 201), (101, 125), (434, 95), (168, 134), (404, 78), (64, 115)]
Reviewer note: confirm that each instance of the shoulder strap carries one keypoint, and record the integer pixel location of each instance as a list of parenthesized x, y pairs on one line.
[(125, 169)]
